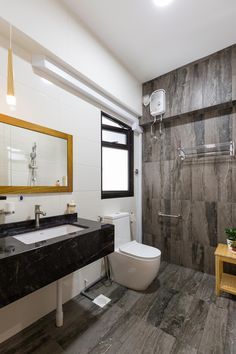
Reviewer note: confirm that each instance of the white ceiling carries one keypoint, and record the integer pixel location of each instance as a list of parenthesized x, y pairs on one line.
[(150, 41)]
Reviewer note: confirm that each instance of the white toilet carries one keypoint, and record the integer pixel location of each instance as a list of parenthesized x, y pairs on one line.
[(133, 264)]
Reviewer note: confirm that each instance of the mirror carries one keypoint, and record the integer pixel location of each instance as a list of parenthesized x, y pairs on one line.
[(34, 159)]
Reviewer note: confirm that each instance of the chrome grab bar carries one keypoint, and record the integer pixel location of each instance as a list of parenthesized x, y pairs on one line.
[(169, 215)]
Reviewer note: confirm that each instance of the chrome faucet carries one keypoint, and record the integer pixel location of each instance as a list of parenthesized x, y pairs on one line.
[(38, 212)]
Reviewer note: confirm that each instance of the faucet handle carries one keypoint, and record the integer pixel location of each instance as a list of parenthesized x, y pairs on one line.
[(37, 207)]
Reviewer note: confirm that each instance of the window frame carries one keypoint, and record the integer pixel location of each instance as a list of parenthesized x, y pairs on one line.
[(129, 146)]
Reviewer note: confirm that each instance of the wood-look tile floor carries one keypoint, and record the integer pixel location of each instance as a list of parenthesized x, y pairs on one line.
[(179, 313)]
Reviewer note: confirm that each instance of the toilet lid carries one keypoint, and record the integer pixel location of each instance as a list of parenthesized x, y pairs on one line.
[(136, 249)]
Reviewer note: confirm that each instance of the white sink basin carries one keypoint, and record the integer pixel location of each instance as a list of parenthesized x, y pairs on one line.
[(42, 235)]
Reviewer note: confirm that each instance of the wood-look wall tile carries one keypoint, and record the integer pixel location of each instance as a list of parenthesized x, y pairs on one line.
[(151, 186), (181, 180), (186, 221), (198, 193), (224, 179), (183, 133), (188, 256), (234, 72), (151, 147), (176, 252), (157, 206), (199, 223), (211, 218), (153, 182), (166, 170), (179, 103), (198, 256), (168, 151), (209, 260), (233, 215), (234, 87), (224, 76), (176, 225), (199, 131), (233, 171), (198, 85), (224, 220), (200, 189), (210, 185), (218, 129), (148, 239), (233, 117), (147, 215), (217, 87), (195, 94)]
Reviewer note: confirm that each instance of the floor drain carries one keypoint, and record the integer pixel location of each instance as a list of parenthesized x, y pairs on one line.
[(101, 300)]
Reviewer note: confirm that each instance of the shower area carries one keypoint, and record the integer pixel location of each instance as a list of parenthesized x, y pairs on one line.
[(189, 165)]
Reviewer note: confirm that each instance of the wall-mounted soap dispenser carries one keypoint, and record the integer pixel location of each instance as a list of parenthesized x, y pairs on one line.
[(6, 208)]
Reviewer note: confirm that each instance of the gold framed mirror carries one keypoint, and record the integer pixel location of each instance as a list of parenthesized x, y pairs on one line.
[(33, 158)]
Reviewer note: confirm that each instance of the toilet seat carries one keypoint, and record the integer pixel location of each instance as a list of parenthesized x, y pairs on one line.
[(140, 250)]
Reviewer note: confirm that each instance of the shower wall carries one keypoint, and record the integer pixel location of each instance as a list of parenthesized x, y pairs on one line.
[(202, 191)]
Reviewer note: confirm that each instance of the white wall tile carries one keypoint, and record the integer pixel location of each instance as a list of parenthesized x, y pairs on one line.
[(52, 107)]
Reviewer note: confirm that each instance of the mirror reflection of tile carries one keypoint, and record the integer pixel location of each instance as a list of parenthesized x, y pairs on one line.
[(29, 158)]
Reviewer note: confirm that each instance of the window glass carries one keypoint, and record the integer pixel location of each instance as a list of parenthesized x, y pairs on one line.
[(110, 122), (117, 158), (113, 137), (114, 169)]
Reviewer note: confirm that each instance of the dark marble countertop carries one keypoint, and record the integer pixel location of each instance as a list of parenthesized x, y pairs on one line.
[(26, 268), (9, 246)]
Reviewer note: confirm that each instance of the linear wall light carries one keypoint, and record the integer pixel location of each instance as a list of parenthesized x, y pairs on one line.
[(46, 68)]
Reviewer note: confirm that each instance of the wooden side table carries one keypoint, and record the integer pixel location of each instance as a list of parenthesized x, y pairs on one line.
[(224, 282)]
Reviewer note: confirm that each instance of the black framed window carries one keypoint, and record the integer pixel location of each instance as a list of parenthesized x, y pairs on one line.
[(117, 158)]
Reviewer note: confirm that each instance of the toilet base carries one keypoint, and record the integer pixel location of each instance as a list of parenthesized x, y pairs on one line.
[(131, 272)]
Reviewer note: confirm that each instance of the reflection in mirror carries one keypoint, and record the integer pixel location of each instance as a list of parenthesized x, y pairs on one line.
[(34, 157), (29, 158)]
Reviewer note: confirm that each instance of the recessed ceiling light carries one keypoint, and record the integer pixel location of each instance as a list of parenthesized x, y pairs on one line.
[(162, 3)]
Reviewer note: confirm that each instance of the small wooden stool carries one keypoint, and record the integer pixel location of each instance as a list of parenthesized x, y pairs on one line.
[(224, 282)]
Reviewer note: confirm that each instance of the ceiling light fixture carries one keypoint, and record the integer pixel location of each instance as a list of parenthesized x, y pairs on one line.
[(162, 3), (47, 82), (11, 99), (75, 84)]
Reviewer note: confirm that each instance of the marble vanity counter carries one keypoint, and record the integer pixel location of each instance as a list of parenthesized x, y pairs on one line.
[(9, 246), (25, 268)]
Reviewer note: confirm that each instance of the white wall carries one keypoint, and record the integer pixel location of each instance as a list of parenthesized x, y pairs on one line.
[(50, 106), (49, 23)]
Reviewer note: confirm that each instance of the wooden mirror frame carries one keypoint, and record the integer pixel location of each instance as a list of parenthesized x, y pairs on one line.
[(40, 129)]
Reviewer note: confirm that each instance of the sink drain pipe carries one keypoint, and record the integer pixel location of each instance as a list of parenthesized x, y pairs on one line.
[(59, 309)]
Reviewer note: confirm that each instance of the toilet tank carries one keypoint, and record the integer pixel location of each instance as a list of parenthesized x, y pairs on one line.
[(121, 221)]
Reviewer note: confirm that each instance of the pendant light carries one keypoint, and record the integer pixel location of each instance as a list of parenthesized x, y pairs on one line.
[(11, 99)]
